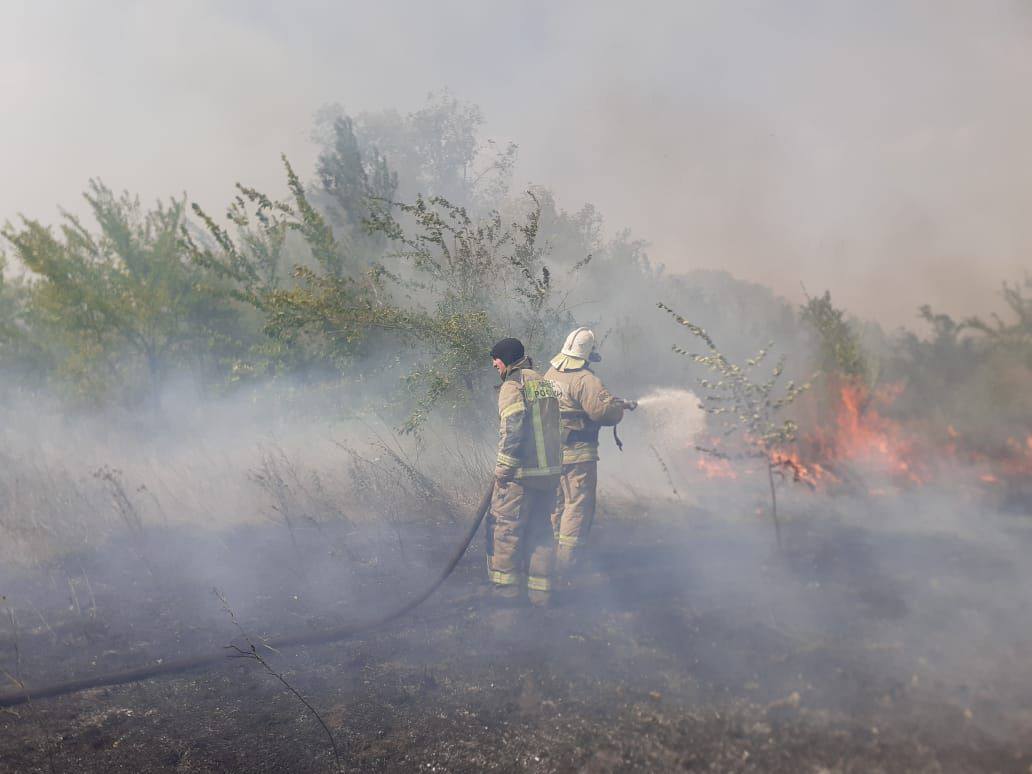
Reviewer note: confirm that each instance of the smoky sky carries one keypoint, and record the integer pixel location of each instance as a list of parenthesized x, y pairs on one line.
[(878, 149)]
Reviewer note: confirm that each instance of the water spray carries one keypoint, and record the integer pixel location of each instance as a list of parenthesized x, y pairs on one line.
[(673, 419), (674, 416)]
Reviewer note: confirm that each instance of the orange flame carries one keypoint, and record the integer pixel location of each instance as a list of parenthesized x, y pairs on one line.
[(859, 436), (866, 436), (715, 467)]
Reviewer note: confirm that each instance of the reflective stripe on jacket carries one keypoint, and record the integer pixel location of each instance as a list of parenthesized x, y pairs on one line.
[(586, 406), (530, 427)]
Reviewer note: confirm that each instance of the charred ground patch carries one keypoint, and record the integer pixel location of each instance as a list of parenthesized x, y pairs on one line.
[(690, 645)]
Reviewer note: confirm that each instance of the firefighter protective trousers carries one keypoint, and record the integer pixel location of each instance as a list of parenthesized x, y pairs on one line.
[(586, 406), (527, 470)]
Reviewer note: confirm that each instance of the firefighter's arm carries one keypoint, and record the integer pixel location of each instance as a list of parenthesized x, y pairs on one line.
[(597, 402), (511, 415)]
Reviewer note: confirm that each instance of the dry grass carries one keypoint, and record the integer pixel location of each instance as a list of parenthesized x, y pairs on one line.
[(54, 501)]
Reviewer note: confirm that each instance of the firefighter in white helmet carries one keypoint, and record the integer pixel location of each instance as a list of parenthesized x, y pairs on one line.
[(586, 406)]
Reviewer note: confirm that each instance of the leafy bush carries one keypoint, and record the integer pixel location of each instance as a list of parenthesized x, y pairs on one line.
[(427, 311), (116, 309)]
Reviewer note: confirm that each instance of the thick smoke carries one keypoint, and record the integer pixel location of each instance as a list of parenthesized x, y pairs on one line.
[(874, 604), (806, 140)]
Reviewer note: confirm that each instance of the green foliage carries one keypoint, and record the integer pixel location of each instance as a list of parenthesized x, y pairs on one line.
[(434, 151), (10, 308), (253, 260), (744, 406), (840, 352), (355, 182), (979, 372), (335, 282), (282, 260), (932, 364), (19, 352), (120, 306), (427, 312), (1014, 336), (339, 282), (747, 409), (461, 263), (474, 281)]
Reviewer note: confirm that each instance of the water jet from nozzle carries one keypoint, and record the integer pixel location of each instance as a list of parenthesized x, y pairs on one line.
[(674, 417)]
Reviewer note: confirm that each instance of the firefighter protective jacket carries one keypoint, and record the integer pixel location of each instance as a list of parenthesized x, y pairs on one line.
[(530, 432), (586, 406)]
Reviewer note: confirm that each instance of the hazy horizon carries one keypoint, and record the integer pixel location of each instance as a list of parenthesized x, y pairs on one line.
[(876, 150)]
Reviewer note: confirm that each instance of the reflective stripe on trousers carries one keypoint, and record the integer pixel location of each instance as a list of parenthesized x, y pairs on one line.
[(519, 532), (503, 578), (537, 583), (575, 509)]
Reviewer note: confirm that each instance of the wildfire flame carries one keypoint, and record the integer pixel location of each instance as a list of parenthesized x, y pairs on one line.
[(863, 436), (715, 467), (860, 439)]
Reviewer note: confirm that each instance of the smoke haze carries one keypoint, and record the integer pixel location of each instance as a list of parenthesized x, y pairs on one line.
[(877, 149)]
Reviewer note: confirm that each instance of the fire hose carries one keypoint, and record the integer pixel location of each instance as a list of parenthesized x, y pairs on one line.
[(629, 405), (175, 666)]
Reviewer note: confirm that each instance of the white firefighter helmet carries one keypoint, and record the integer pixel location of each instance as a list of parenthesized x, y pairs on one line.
[(579, 344)]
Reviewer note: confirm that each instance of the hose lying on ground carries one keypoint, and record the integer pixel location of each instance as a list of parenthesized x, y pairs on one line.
[(24, 695)]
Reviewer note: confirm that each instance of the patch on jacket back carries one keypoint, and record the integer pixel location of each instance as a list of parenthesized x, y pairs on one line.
[(540, 389)]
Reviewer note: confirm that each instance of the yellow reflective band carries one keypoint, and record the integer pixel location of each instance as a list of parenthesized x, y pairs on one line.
[(506, 461), (582, 454), (537, 583), (511, 409), (539, 437), (569, 542), (503, 578), (534, 472)]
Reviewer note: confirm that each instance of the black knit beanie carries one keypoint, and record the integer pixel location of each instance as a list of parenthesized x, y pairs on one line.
[(509, 351)]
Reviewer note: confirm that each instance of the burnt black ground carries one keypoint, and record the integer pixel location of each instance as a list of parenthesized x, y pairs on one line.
[(691, 643)]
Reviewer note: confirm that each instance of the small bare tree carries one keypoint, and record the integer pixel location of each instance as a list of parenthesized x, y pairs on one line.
[(745, 407)]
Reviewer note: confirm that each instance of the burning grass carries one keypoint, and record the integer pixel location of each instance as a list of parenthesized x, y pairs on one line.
[(851, 441)]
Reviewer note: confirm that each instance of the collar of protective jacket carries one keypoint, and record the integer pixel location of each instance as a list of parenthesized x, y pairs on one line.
[(563, 362), (523, 362)]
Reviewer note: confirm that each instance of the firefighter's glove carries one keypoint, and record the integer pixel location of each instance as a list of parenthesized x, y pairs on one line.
[(503, 474)]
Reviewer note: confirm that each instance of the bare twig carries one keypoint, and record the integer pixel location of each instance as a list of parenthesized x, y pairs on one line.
[(128, 512), (75, 598), (666, 471), (253, 654), (89, 589), (774, 503), (17, 648)]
